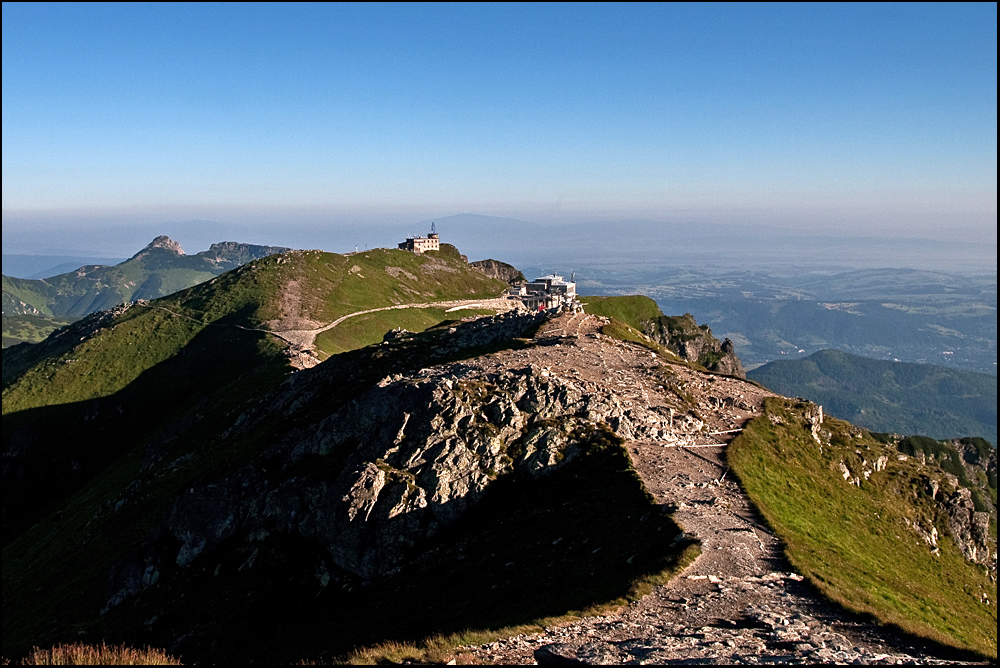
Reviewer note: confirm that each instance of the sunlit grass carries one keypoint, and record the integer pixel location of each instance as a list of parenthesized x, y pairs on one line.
[(854, 543)]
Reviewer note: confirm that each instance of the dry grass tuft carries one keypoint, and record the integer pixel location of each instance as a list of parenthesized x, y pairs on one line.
[(79, 654)]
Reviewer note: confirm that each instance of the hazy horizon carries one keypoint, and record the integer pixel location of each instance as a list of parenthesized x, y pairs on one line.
[(833, 120), (639, 245)]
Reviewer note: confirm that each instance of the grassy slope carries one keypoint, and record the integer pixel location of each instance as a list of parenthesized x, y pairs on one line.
[(83, 291), (853, 543), (324, 288), (343, 284), (150, 274), (77, 401), (890, 396), (633, 310), (72, 368), (364, 330), (69, 296)]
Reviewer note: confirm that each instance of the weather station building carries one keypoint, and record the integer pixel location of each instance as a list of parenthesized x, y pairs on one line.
[(418, 245), (545, 292)]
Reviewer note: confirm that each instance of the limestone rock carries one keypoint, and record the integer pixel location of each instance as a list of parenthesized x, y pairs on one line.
[(394, 465), (499, 270), (694, 342), (969, 528)]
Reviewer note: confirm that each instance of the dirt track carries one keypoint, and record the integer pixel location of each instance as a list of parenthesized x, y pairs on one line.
[(307, 337)]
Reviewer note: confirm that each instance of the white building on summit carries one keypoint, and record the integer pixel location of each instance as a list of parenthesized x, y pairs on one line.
[(544, 292), (418, 245)]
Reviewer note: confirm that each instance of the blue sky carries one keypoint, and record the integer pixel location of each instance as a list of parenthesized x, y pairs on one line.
[(871, 118)]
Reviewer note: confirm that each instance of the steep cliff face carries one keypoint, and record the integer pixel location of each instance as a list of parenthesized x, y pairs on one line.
[(961, 482), (970, 528), (500, 271), (959, 506), (695, 343)]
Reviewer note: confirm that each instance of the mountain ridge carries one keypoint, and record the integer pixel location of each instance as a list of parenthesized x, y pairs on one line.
[(170, 478), (158, 269), (152, 272)]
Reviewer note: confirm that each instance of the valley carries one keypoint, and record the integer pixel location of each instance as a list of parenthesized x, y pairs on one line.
[(902, 314)]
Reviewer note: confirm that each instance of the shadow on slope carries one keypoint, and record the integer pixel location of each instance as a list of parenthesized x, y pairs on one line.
[(577, 537), (51, 451), (530, 549)]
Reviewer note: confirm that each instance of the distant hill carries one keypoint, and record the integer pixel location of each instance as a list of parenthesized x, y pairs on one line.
[(33, 308), (884, 396), (299, 290), (156, 271)]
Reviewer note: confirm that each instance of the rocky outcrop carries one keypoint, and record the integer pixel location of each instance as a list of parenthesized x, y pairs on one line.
[(959, 507), (970, 529), (391, 467), (500, 271), (231, 254), (388, 470), (375, 478), (977, 457), (394, 334), (695, 343), (13, 306), (162, 242)]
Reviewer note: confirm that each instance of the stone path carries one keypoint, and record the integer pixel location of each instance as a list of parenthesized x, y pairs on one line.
[(738, 602)]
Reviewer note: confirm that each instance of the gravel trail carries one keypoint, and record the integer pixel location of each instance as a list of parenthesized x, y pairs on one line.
[(739, 602)]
